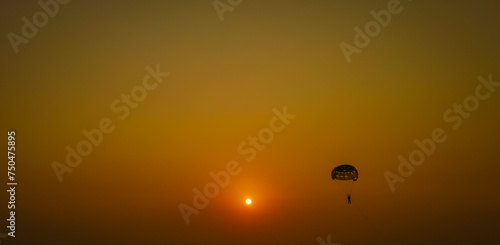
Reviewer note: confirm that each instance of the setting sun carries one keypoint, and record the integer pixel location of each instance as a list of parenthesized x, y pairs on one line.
[(248, 201)]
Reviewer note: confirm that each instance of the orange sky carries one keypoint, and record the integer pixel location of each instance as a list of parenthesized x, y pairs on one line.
[(226, 77)]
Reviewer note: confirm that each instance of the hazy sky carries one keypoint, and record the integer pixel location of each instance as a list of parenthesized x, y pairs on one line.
[(225, 79)]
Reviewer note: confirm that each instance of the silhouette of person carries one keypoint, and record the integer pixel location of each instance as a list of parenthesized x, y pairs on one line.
[(348, 199)]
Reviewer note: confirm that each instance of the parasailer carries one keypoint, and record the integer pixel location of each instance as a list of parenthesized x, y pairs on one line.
[(345, 175)]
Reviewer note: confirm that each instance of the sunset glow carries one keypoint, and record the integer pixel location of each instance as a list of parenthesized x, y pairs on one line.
[(158, 122)]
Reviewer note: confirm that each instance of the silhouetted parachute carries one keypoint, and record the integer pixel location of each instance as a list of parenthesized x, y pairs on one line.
[(345, 175), (345, 172)]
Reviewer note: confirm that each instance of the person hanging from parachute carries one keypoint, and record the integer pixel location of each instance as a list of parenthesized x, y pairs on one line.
[(345, 175)]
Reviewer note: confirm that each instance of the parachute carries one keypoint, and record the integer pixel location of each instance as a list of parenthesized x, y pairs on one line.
[(345, 175)]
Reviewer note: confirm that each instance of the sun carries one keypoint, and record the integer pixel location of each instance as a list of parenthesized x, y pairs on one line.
[(248, 201)]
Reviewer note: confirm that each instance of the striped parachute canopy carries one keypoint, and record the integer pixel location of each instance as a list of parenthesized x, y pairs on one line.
[(345, 172), (345, 175)]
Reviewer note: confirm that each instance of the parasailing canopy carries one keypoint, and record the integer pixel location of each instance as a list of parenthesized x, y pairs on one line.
[(345, 175), (345, 172)]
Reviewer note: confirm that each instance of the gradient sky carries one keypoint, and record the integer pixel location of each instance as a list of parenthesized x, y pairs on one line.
[(225, 79)]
